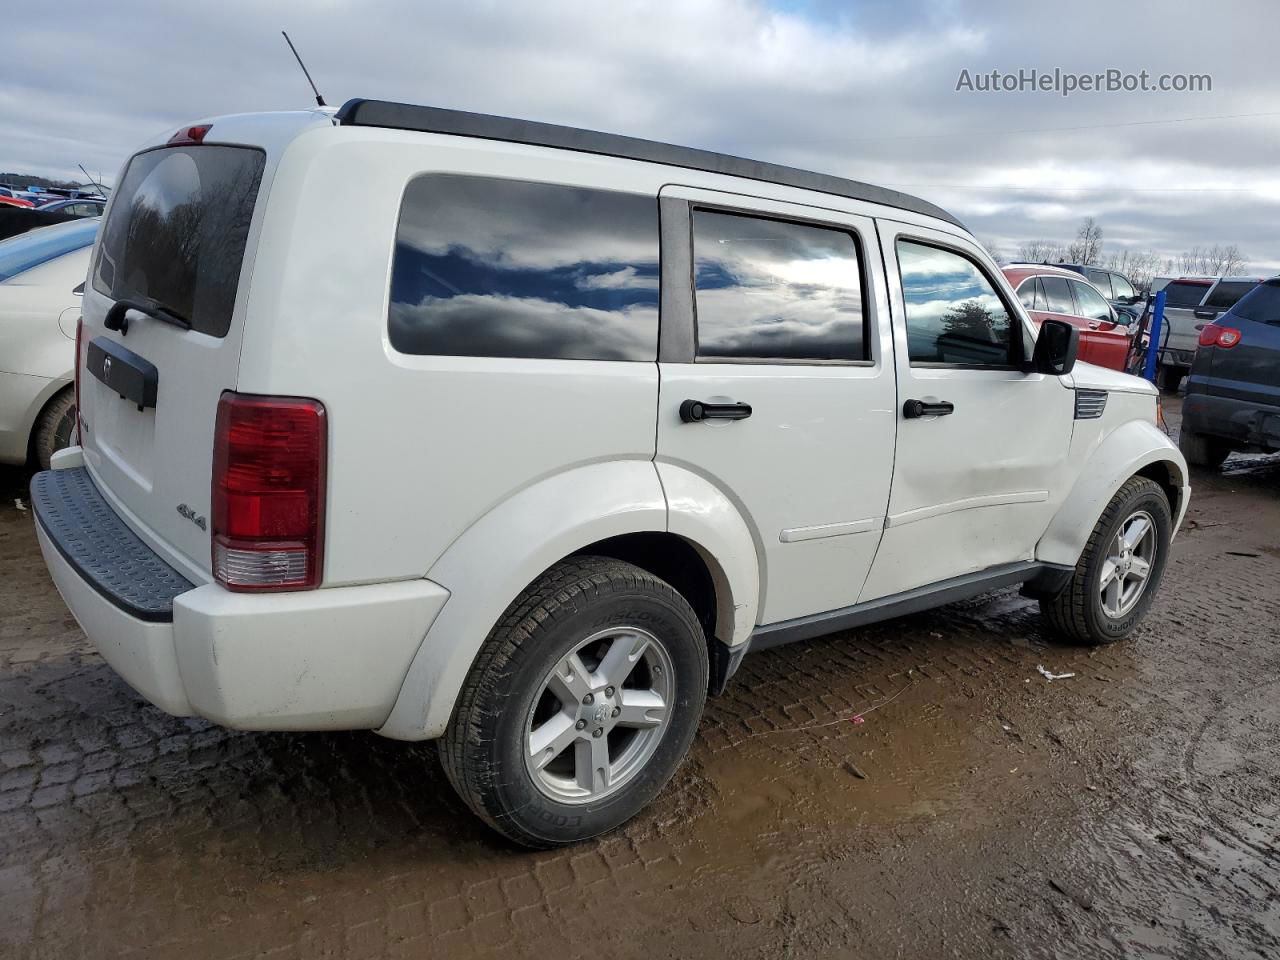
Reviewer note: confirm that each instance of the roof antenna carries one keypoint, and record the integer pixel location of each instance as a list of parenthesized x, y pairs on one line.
[(96, 183), (319, 99)]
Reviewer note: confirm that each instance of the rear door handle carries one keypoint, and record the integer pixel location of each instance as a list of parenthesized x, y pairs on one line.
[(695, 411), (914, 409)]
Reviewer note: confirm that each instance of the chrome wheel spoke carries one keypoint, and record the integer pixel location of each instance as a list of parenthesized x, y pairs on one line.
[(591, 766), (642, 708), (1111, 596), (551, 739), (1110, 567), (620, 659), (1135, 531), (1140, 569), (571, 680)]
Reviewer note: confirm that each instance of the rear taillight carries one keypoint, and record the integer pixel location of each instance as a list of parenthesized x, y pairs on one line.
[(268, 492), (1216, 335)]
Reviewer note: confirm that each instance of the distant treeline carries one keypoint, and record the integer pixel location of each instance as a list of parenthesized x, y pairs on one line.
[(31, 180)]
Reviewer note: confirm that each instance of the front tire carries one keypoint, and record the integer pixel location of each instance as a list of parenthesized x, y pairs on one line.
[(1115, 580), (581, 704)]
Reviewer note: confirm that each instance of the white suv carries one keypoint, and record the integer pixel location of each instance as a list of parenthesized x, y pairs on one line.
[(529, 446)]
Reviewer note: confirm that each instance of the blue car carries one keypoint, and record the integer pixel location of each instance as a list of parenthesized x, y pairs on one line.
[(1233, 393)]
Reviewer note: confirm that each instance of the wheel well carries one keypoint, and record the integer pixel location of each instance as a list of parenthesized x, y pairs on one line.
[(1160, 473), (35, 423), (672, 558)]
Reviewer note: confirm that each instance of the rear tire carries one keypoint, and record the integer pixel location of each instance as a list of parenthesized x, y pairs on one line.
[(1201, 450), (1086, 611), (1170, 379), (545, 697), (55, 427)]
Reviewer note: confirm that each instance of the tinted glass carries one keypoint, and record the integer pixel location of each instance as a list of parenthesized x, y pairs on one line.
[(772, 290), (1226, 293), (506, 268), (1183, 294), (1057, 295), (1101, 280), (1121, 287), (27, 250), (1090, 302), (953, 312), (177, 232), (1027, 294), (1261, 304)]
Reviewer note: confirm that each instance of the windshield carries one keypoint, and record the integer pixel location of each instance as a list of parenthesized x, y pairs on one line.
[(27, 250), (177, 231)]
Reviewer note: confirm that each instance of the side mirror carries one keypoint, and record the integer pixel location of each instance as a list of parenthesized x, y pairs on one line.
[(1057, 347), (1205, 313)]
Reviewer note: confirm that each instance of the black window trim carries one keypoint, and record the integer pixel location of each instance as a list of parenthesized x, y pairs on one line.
[(1020, 367), (868, 307)]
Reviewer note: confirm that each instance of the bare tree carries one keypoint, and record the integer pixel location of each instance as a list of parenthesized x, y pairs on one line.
[(1216, 261), (1040, 251), (1138, 265), (993, 248), (1087, 247)]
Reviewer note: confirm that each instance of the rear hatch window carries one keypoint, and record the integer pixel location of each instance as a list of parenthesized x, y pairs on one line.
[(1262, 305), (177, 231)]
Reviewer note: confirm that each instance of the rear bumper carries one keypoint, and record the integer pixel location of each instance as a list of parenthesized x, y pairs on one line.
[(1246, 424), (330, 659)]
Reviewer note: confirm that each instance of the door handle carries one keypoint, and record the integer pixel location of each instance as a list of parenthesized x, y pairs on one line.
[(695, 411), (913, 409)]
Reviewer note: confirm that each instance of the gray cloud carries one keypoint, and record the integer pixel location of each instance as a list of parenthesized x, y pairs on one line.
[(866, 93)]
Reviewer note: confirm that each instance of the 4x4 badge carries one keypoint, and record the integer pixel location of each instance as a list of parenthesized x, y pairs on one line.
[(192, 516)]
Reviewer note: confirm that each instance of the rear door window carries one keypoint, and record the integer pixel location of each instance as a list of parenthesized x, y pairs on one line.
[(1180, 293), (509, 268), (177, 232), (1057, 295), (1102, 280), (1121, 287), (1027, 293), (775, 290), (1226, 293)]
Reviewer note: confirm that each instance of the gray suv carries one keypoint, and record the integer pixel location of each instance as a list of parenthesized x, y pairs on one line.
[(1233, 393)]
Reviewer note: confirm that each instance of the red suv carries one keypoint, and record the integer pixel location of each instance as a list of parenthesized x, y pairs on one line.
[(1051, 292)]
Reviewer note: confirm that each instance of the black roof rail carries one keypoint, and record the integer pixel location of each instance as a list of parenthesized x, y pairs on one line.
[(459, 123)]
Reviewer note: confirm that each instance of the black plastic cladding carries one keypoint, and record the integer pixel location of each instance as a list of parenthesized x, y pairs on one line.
[(459, 123)]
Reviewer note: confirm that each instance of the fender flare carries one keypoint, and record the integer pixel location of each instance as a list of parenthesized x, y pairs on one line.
[(1122, 453), (505, 550)]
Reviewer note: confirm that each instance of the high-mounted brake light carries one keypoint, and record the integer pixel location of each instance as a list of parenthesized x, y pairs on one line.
[(190, 135), (1216, 335), (269, 458)]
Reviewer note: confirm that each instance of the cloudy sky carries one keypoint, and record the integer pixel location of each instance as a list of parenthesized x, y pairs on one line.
[(862, 89)]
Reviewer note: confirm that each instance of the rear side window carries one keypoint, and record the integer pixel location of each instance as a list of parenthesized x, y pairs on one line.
[(508, 268), (28, 250), (1057, 295), (1226, 293), (954, 315), (177, 231), (1261, 304), (775, 290), (1102, 281), (1183, 294)]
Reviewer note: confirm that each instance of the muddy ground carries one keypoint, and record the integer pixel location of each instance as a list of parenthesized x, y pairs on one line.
[(1129, 811)]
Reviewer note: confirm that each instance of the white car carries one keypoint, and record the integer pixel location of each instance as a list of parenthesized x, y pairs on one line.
[(42, 273), (529, 446)]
